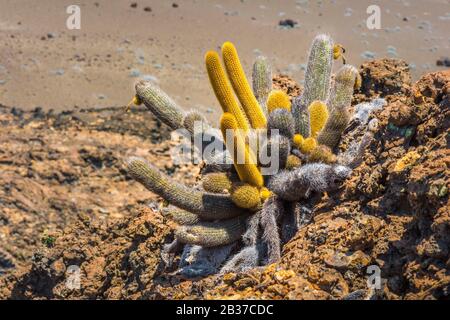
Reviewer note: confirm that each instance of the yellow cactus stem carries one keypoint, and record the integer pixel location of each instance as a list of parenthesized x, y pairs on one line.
[(318, 116), (247, 169), (407, 161), (278, 99), (242, 88), (293, 162), (136, 101), (338, 52), (245, 196), (222, 89), (298, 140), (308, 145)]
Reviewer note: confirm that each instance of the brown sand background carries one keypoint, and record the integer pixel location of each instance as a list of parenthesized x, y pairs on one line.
[(44, 64)]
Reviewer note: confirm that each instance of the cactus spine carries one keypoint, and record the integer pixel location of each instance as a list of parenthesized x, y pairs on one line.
[(247, 171), (245, 196), (160, 104), (241, 87), (262, 81), (317, 81), (217, 182), (278, 99), (181, 216), (318, 70), (212, 234), (281, 120), (222, 89), (340, 100), (207, 205), (318, 115)]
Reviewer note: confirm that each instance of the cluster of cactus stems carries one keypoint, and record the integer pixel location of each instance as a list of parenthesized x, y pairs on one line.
[(239, 218)]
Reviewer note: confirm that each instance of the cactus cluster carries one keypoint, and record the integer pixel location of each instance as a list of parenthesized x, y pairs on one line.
[(238, 217)]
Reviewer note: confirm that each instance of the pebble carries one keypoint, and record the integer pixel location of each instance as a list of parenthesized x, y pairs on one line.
[(148, 9), (133, 5), (134, 73), (302, 2), (101, 96), (392, 51), (368, 55), (174, 5), (348, 12), (149, 77), (257, 52), (157, 65), (445, 18), (424, 25), (2, 81), (287, 23), (443, 62), (57, 72)]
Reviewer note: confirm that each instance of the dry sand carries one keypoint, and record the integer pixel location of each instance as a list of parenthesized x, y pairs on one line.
[(42, 63)]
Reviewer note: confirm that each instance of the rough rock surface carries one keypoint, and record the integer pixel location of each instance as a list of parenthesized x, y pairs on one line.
[(393, 213)]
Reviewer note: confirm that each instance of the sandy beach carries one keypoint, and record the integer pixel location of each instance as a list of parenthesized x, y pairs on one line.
[(44, 64)]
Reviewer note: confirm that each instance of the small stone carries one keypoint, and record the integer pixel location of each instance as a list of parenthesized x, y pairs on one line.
[(57, 72), (174, 5), (443, 62), (135, 73), (133, 5), (149, 77), (348, 12), (287, 23), (148, 9), (368, 55)]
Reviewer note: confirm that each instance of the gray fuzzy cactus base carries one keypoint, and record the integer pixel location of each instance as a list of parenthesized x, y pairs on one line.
[(379, 204)]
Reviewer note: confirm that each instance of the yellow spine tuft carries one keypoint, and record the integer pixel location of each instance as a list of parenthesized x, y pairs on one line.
[(248, 170), (223, 90), (245, 196), (278, 99), (318, 115), (298, 140), (293, 162), (308, 145), (265, 193), (242, 88)]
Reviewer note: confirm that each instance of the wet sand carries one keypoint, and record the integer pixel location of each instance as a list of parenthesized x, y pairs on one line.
[(44, 64)]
